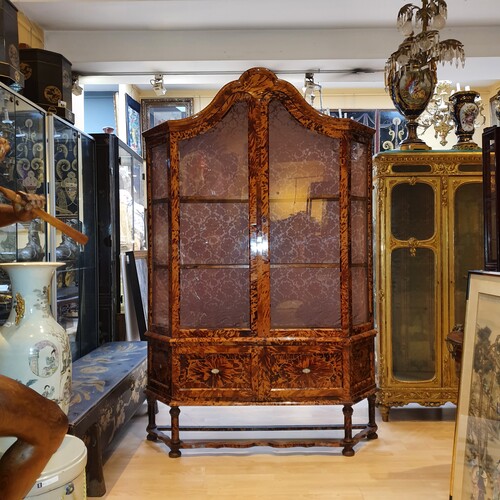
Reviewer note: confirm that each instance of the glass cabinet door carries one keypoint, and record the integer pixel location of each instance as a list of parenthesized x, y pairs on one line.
[(213, 223), (413, 280), (132, 200), (468, 230), (71, 155), (304, 216), (22, 168)]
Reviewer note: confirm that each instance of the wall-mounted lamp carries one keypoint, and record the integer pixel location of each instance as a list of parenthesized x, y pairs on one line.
[(158, 85)]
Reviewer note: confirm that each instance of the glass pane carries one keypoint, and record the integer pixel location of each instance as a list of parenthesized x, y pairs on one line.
[(159, 172), (160, 233), (215, 298), (468, 240), (305, 297), (359, 234), (413, 321), (360, 310), (359, 163), (310, 236), (66, 177), (412, 212), (304, 223), (160, 297), (215, 164), (214, 233), (139, 202)]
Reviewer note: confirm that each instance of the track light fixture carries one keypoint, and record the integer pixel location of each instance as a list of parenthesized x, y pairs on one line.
[(76, 88), (158, 85), (312, 89)]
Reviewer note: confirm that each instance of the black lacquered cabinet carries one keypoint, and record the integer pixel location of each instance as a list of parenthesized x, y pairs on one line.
[(120, 226), (491, 150)]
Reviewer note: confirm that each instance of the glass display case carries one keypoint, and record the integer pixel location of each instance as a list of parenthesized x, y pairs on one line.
[(120, 228), (42, 154), (22, 167), (491, 155), (429, 234), (71, 156)]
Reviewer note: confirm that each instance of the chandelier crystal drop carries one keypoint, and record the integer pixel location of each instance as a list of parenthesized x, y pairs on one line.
[(423, 49)]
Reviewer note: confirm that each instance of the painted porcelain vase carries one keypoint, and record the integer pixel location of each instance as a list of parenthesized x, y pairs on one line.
[(465, 110), (411, 91), (34, 348)]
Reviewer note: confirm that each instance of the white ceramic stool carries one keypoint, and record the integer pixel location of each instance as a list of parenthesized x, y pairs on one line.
[(64, 475)]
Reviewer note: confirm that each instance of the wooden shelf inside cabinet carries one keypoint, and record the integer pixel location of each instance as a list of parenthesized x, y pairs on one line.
[(260, 261)]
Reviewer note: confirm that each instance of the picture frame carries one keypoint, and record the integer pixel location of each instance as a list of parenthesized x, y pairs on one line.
[(133, 111), (136, 266), (476, 453), (156, 111)]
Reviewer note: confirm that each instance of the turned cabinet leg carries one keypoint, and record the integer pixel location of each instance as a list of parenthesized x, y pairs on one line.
[(384, 411), (152, 410), (348, 450), (175, 442), (372, 425)]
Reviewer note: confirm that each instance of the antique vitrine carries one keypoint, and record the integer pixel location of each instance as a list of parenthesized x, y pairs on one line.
[(491, 155), (429, 234), (260, 259)]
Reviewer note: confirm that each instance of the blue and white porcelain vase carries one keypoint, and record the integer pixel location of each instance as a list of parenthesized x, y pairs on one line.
[(34, 348)]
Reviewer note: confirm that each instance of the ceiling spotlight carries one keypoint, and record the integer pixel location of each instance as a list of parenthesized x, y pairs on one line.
[(158, 85), (310, 90), (76, 88)]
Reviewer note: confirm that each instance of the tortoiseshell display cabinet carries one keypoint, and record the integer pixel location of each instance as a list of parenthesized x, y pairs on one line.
[(260, 262)]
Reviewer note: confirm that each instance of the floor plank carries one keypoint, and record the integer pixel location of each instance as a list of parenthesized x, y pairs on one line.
[(411, 459)]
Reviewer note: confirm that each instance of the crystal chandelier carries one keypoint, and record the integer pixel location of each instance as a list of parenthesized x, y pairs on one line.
[(423, 49)]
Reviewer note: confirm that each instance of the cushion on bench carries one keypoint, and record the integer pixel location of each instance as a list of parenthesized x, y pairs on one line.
[(107, 389)]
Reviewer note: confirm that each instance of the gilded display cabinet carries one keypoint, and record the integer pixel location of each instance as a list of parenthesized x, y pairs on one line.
[(429, 234), (260, 260)]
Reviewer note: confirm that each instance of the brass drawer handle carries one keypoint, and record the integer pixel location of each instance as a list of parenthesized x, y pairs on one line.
[(215, 371), (306, 370)]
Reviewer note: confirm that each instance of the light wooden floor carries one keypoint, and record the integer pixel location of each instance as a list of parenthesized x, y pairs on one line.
[(411, 460)]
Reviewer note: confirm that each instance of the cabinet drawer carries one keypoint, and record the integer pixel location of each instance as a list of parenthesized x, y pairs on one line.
[(304, 372), (214, 372)]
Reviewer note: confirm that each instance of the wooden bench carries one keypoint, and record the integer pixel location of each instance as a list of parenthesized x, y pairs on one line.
[(107, 389)]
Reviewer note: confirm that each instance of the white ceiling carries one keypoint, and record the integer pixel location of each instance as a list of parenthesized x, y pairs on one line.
[(205, 43)]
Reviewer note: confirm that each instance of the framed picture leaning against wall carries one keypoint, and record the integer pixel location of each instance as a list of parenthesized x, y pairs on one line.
[(476, 455)]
